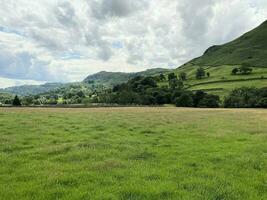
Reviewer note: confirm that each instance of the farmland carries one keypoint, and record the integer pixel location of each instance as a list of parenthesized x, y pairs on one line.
[(133, 153)]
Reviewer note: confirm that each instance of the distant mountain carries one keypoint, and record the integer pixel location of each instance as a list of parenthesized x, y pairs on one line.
[(250, 48), (98, 79), (31, 89), (113, 78)]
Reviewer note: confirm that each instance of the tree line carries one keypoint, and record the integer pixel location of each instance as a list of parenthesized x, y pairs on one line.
[(146, 91), (152, 90)]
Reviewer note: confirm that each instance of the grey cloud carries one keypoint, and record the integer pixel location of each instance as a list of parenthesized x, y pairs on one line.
[(23, 65), (105, 53), (196, 16), (159, 33), (65, 14), (102, 9)]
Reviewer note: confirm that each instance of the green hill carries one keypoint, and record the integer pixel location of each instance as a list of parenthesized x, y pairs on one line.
[(103, 78), (250, 48), (220, 60), (114, 78), (32, 89)]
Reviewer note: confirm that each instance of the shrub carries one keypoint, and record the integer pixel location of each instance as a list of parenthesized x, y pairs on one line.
[(245, 98), (210, 101), (185, 100), (235, 71), (245, 68)]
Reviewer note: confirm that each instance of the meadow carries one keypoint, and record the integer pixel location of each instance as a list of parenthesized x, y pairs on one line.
[(133, 154), (221, 82)]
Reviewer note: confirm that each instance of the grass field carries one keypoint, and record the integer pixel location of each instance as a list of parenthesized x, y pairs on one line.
[(133, 154), (221, 82)]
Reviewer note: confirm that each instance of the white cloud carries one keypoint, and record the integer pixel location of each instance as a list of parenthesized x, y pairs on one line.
[(6, 82), (48, 40)]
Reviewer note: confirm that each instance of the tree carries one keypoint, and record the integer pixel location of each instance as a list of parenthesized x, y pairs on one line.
[(162, 77), (242, 98), (185, 100), (235, 71), (183, 76), (245, 68), (28, 100), (175, 83), (210, 101), (172, 76), (198, 96), (200, 73), (80, 94), (208, 74), (16, 101)]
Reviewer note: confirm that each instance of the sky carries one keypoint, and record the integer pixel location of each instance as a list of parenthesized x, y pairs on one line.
[(65, 41)]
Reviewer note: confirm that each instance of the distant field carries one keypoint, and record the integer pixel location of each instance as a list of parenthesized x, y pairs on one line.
[(221, 81), (133, 154)]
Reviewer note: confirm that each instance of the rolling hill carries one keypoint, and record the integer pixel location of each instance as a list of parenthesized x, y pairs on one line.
[(114, 78), (107, 79), (31, 89), (219, 60), (250, 48)]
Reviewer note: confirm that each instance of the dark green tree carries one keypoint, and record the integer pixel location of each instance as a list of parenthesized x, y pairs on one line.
[(183, 76), (245, 68), (176, 84), (198, 96), (235, 71), (185, 100), (16, 101), (162, 77), (172, 76), (200, 73), (210, 101), (28, 100)]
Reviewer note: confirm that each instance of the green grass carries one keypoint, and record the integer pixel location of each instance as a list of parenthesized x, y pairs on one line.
[(133, 153), (221, 82)]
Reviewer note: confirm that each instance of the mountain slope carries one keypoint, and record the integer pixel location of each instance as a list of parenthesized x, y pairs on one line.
[(250, 47), (220, 60), (114, 78)]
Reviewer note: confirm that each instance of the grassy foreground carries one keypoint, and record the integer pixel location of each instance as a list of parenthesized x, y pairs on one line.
[(133, 153)]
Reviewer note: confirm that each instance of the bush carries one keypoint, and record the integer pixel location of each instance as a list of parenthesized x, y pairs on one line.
[(204, 100), (235, 71), (263, 102), (198, 96), (210, 101), (245, 68), (185, 100), (246, 98)]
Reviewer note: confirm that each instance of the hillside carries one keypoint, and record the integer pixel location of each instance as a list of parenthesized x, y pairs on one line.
[(250, 48), (114, 78), (32, 89), (103, 78), (220, 60)]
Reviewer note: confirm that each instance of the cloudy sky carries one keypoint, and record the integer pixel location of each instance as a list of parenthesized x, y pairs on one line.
[(66, 40)]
